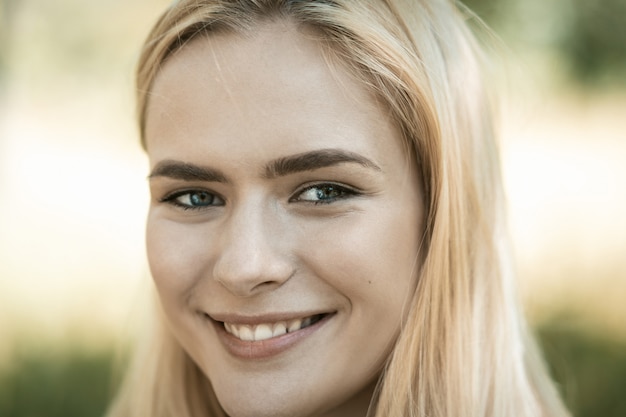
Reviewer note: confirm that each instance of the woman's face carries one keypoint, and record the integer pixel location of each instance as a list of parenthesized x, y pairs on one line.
[(284, 224)]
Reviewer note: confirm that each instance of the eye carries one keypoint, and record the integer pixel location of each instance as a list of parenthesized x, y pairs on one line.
[(193, 199), (324, 193)]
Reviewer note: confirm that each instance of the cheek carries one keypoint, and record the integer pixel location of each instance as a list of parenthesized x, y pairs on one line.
[(370, 258), (175, 255)]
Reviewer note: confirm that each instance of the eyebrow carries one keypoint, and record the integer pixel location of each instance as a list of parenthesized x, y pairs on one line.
[(186, 172), (306, 161), (309, 161)]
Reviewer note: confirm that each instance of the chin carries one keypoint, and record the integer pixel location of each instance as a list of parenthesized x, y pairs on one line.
[(244, 408)]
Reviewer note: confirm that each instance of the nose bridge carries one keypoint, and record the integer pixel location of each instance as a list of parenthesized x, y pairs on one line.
[(249, 257)]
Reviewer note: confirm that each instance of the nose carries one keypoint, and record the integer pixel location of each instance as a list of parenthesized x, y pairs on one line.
[(249, 255)]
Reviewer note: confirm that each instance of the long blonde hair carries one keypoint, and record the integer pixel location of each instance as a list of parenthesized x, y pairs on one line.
[(464, 349)]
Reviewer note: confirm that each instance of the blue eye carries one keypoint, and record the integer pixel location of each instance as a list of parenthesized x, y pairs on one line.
[(194, 199), (324, 193)]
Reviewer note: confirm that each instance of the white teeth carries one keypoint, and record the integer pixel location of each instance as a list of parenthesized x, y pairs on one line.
[(295, 325), (279, 329), (262, 332), (267, 330), (234, 330), (245, 333)]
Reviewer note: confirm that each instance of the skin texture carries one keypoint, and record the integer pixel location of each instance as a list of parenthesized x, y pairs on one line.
[(247, 239)]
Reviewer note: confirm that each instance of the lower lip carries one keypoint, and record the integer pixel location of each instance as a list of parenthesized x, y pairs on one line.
[(263, 349)]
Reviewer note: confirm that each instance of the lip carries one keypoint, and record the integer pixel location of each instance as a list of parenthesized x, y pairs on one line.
[(263, 349)]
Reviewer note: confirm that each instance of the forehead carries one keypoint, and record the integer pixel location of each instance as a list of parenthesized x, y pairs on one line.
[(270, 85), (290, 53)]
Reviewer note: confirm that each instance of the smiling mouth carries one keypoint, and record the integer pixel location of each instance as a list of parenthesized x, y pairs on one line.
[(265, 331)]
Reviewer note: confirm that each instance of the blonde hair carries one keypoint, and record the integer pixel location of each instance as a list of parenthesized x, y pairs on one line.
[(464, 349)]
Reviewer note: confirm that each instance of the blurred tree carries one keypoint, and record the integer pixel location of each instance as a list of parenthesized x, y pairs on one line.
[(6, 10), (595, 44), (491, 11), (590, 368), (590, 36), (70, 384)]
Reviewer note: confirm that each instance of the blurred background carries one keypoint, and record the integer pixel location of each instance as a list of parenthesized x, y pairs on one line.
[(73, 194)]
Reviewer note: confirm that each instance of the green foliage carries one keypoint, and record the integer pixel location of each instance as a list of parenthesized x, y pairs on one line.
[(595, 43), (70, 384), (491, 11), (590, 368), (588, 36)]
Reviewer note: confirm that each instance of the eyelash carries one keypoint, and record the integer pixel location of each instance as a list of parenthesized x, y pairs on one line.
[(172, 199), (343, 192)]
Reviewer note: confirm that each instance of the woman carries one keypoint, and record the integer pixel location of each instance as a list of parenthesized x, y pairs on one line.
[(325, 232)]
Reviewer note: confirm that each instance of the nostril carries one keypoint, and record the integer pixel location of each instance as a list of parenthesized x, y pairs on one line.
[(245, 277)]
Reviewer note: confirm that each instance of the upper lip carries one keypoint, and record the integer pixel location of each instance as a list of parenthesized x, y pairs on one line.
[(233, 318)]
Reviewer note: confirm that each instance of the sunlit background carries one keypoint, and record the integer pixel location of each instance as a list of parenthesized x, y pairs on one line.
[(73, 193)]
